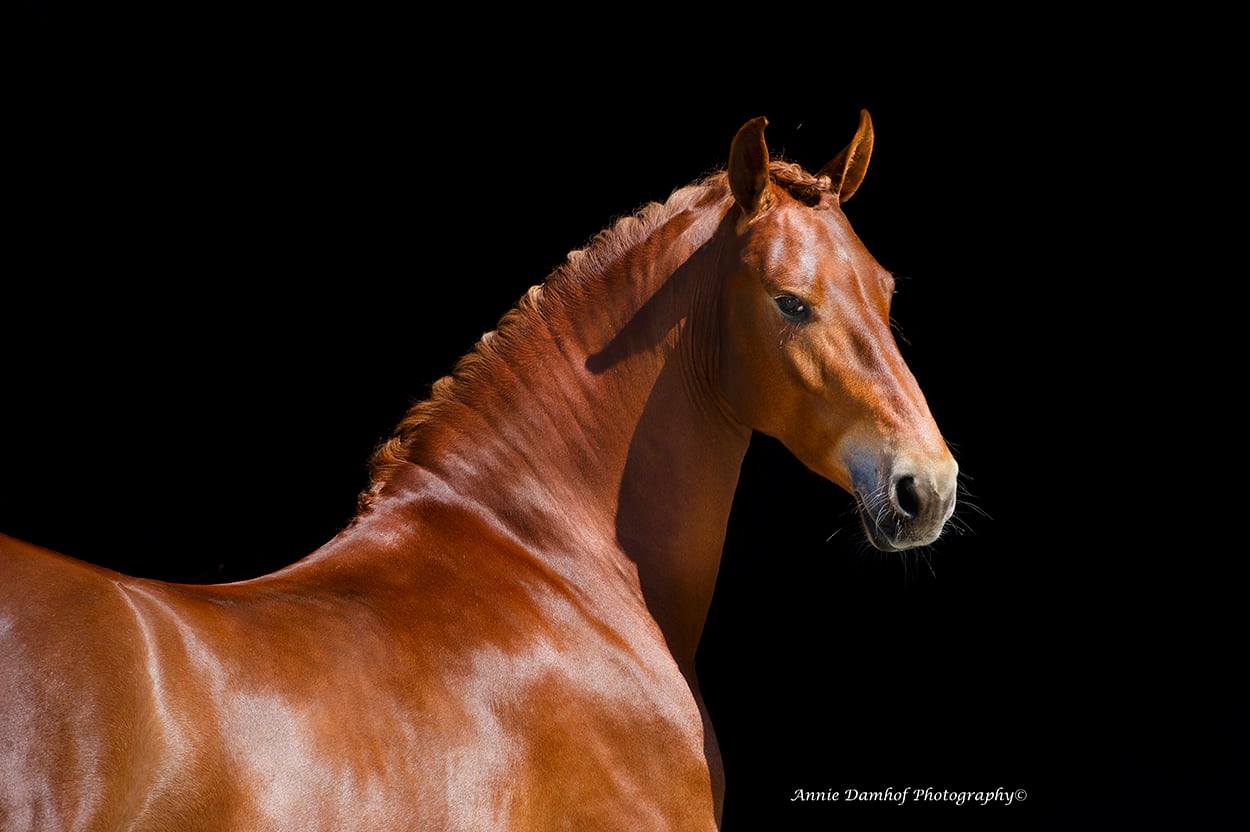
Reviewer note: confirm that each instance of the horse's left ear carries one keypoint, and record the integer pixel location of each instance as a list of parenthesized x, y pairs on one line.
[(847, 169)]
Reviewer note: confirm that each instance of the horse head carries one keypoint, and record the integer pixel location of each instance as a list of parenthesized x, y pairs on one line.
[(806, 353)]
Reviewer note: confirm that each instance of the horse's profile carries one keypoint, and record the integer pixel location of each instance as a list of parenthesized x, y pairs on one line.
[(504, 636)]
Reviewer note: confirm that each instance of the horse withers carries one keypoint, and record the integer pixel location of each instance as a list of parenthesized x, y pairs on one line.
[(504, 636)]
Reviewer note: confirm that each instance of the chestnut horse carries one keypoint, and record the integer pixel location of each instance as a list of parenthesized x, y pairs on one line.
[(504, 636)]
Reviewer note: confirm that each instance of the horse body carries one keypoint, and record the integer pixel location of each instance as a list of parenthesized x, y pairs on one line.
[(504, 636), (345, 697)]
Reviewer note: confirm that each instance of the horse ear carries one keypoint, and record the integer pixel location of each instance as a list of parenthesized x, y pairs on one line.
[(748, 167), (847, 169)]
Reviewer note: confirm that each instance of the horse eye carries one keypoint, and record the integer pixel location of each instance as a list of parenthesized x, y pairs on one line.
[(792, 307)]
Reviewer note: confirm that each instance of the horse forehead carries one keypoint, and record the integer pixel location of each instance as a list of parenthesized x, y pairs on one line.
[(810, 240)]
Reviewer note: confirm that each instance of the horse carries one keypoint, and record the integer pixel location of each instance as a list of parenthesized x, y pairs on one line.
[(503, 637)]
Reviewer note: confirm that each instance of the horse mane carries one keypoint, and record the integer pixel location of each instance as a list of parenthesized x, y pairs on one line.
[(580, 268)]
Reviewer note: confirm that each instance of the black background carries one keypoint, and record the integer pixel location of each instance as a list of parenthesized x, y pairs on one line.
[(235, 261)]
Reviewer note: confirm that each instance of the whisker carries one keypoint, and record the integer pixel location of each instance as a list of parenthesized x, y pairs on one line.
[(924, 553), (898, 330), (977, 509)]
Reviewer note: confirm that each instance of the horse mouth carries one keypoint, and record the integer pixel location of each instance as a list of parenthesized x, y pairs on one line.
[(877, 527), (877, 536)]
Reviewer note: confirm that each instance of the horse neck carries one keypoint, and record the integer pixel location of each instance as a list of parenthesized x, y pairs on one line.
[(597, 436)]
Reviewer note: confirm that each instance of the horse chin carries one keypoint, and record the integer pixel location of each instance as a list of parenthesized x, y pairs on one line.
[(880, 538)]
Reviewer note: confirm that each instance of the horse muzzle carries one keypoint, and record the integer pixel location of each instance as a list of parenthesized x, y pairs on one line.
[(910, 506)]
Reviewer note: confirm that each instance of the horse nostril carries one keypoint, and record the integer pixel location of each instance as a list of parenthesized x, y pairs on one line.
[(907, 496)]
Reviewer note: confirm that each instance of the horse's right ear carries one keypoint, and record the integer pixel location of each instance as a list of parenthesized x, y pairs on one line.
[(748, 167)]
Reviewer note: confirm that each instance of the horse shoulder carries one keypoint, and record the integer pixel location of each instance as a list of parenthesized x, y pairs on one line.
[(553, 699)]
